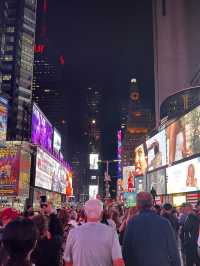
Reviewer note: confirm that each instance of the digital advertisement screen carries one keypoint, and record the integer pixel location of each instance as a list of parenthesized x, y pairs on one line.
[(130, 199), (156, 180), (59, 178), (24, 176), (178, 200), (140, 160), (184, 177), (93, 191), (157, 151), (3, 120), (69, 186), (140, 183), (56, 141), (42, 131), (183, 136), (50, 174), (119, 153), (94, 158), (128, 178), (9, 171)]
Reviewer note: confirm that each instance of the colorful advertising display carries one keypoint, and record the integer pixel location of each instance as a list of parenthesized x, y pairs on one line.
[(69, 187), (140, 160), (9, 171), (50, 174), (119, 153), (156, 180), (130, 199), (94, 158), (157, 151), (93, 191), (128, 178), (140, 183), (24, 177), (184, 177), (42, 131), (183, 136), (3, 120), (56, 141)]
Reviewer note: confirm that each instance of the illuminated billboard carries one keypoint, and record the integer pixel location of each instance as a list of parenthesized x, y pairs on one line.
[(184, 177), (157, 151), (119, 153), (3, 120), (69, 186), (56, 141), (140, 183), (140, 160), (93, 191), (50, 174), (130, 199), (156, 180), (42, 130), (14, 172), (183, 136), (128, 178), (94, 158)]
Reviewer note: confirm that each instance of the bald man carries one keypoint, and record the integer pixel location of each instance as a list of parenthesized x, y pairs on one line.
[(93, 244)]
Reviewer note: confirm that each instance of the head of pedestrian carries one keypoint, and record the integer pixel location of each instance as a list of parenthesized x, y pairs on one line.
[(144, 201), (8, 214), (188, 209), (19, 240), (167, 208), (93, 210)]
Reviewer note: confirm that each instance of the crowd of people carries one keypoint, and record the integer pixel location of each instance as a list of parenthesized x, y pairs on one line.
[(101, 235)]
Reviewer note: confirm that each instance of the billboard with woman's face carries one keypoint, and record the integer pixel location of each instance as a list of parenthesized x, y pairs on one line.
[(183, 136), (140, 160), (184, 177)]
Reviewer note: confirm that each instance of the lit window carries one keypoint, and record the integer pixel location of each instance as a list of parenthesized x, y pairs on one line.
[(6, 77)]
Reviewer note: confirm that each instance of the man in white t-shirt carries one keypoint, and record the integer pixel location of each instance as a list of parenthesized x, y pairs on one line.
[(94, 243)]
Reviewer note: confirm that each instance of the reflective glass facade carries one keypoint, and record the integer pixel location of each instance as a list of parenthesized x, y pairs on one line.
[(18, 19)]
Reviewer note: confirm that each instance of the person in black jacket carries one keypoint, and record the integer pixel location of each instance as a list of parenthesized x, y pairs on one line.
[(149, 239), (167, 213), (189, 237)]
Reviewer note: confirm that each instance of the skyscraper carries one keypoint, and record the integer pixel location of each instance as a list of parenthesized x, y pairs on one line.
[(140, 122), (48, 88), (176, 48), (17, 23)]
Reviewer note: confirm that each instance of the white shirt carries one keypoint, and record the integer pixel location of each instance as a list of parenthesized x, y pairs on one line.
[(92, 244)]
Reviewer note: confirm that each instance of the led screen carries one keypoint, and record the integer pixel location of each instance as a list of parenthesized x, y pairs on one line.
[(93, 191), (156, 180), (140, 183), (3, 120), (157, 151), (42, 131), (50, 174), (130, 199), (183, 136), (184, 177), (140, 160), (94, 158), (128, 178), (56, 141), (178, 200)]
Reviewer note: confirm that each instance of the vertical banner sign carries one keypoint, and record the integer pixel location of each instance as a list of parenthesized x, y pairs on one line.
[(119, 153), (3, 120)]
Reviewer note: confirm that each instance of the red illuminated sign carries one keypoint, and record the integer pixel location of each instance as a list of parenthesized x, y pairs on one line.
[(62, 60), (39, 48)]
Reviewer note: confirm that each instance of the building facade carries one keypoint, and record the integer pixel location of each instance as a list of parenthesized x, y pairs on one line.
[(18, 21), (176, 48), (140, 123)]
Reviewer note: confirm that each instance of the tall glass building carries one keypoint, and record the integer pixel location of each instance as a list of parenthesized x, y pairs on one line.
[(17, 30)]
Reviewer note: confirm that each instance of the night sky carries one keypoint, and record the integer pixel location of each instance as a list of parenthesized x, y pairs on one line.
[(105, 43)]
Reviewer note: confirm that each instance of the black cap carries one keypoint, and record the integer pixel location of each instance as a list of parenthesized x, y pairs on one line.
[(167, 207)]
